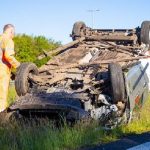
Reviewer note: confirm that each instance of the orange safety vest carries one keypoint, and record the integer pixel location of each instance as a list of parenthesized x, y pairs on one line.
[(7, 61)]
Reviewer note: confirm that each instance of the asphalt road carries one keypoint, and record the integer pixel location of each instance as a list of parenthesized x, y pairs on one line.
[(132, 142)]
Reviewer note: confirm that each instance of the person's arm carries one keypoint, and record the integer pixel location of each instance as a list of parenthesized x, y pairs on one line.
[(9, 54)]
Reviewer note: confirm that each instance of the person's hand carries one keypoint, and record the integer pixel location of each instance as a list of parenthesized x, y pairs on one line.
[(13, 72), (18, 65)]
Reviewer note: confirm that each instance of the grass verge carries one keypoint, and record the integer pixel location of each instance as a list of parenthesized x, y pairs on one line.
[(46, 136)]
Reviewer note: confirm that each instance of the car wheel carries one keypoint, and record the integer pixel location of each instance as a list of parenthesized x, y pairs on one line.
[(76, 31), (22, 82), (117, 83), (145, 32)]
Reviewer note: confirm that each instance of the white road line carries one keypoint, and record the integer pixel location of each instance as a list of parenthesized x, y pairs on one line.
[(145, 146)]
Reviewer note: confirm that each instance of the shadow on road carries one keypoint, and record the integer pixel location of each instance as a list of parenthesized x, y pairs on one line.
[(124, 143)]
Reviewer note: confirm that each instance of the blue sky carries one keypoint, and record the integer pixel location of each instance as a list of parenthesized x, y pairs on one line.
[(55, 18)]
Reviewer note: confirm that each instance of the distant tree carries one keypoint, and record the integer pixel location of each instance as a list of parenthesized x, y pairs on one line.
[(28, 48)]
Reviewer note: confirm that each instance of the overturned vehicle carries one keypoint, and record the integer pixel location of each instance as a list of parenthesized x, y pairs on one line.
[(99, 75)]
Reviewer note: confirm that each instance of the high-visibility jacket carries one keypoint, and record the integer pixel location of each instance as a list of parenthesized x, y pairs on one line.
[(7, 61)]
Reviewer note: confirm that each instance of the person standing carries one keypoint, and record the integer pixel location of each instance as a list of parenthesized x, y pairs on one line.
[(7, 61)]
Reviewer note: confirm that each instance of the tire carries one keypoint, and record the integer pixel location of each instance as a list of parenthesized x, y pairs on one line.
[(117, 83), (76, 31), (22, 82), (145, 32)]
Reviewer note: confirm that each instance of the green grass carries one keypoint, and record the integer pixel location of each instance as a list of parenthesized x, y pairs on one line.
[(142, 123), (11, 95), (45, 136)]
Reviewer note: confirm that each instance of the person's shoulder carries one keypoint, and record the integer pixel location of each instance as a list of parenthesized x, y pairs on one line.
[(7, 42), (4, 38), (7, 39)]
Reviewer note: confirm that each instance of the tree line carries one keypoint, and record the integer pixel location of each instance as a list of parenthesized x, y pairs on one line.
[(28, 48)]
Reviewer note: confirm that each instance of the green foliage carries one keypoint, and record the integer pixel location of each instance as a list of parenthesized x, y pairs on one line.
[(28, 48)]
